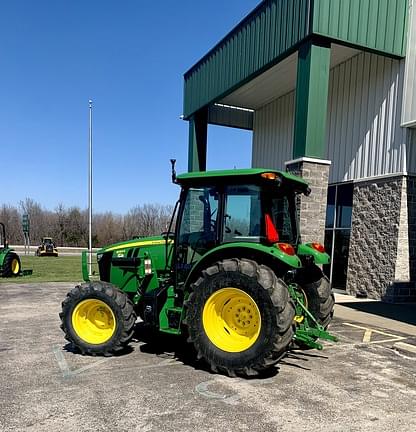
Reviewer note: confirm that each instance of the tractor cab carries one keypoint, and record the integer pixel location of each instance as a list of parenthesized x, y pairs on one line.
[(3, 239), (47, 241), (236, 209)]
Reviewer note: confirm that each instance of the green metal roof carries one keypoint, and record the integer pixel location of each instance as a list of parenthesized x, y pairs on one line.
[(378, 25), (218, 175), (276, 28)]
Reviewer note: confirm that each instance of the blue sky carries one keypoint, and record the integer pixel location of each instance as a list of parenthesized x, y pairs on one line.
[(129, 56)]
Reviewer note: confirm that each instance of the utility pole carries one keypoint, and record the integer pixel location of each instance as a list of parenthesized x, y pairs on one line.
[(90, 193)]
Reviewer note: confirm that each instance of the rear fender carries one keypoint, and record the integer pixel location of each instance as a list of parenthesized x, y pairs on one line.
[(271, 256), (318, 257)]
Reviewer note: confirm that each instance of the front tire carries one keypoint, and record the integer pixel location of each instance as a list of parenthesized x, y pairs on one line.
[(239, 317), (98, 318)]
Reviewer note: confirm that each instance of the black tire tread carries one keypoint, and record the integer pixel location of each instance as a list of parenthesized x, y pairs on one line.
[(102, 290), (321, 300), (279, 296)]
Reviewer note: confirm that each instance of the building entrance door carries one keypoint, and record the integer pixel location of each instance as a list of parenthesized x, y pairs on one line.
[(337, 233)]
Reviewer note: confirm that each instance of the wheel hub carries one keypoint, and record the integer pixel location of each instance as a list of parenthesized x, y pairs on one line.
[(93, 321), (15, 266), (231, 320)]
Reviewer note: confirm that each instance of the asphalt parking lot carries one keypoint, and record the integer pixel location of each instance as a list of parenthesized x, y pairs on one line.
[(358, 384)]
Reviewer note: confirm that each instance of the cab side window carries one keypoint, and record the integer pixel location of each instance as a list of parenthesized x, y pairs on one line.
[(242, 216)]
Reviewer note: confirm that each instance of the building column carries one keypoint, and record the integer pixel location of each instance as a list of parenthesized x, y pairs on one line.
[(309, 149), (312, 208), (197, 144), (311, 100)]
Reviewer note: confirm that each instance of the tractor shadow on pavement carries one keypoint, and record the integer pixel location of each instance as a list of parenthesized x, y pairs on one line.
[(162, 344), (176, 347), (298, 358)]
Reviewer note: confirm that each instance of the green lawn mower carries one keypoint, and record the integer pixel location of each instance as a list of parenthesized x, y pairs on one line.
[(231, 274)]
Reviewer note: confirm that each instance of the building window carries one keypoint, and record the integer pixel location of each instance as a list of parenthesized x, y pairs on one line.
[(337, 232)]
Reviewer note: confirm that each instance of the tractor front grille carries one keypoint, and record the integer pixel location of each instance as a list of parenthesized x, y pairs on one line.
[(104, 266)]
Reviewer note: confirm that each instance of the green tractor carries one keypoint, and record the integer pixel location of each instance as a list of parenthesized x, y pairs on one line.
[(9, 261), (231, 274)]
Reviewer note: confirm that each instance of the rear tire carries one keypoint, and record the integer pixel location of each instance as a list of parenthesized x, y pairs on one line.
[(11, 265), (239, 317), (321, 300), (98, 318)]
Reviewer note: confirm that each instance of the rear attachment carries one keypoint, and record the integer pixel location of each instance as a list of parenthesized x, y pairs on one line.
[(308, 329)]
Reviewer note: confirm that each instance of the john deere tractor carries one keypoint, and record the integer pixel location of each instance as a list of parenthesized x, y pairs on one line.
[(231, 274), (9, 261)]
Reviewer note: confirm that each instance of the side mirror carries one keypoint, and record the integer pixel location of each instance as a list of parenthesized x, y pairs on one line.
[(173, 162)]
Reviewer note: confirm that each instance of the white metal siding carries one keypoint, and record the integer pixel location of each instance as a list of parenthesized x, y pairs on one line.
[(364, 137), (273, 133)]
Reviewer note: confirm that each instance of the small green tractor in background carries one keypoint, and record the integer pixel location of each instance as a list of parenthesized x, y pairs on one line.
[(46, 248), (9, 261), (231, 274)]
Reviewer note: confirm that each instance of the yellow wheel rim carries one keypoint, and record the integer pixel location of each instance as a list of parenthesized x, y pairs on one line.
[(15, 266), (93, 321), (231, 320)]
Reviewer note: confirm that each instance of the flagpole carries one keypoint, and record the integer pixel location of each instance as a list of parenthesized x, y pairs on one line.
[(90, 193)]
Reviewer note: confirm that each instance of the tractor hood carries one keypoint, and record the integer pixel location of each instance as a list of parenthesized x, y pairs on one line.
[(129, 256), (136, 242)]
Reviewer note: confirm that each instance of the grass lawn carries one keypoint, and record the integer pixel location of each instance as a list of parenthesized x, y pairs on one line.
[(49, 269)]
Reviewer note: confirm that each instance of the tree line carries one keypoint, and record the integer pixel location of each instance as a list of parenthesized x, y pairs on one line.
[(69, 226)]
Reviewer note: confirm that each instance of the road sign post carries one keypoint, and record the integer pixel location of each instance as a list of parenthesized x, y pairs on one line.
[(26, 231)]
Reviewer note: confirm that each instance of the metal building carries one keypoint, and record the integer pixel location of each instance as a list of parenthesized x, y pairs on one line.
[(328, 89)]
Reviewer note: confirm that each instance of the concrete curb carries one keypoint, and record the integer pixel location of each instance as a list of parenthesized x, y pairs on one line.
[(405, 348), (348, 314)]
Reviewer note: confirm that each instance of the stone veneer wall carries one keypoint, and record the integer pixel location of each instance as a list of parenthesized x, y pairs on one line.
[(312, 208), (411, 212), (381, 260), (402, 270)]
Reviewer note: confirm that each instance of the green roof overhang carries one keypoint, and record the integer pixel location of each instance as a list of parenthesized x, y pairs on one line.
[(276, 28)]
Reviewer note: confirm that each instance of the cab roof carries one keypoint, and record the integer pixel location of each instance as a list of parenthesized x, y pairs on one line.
[(247, 174)]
